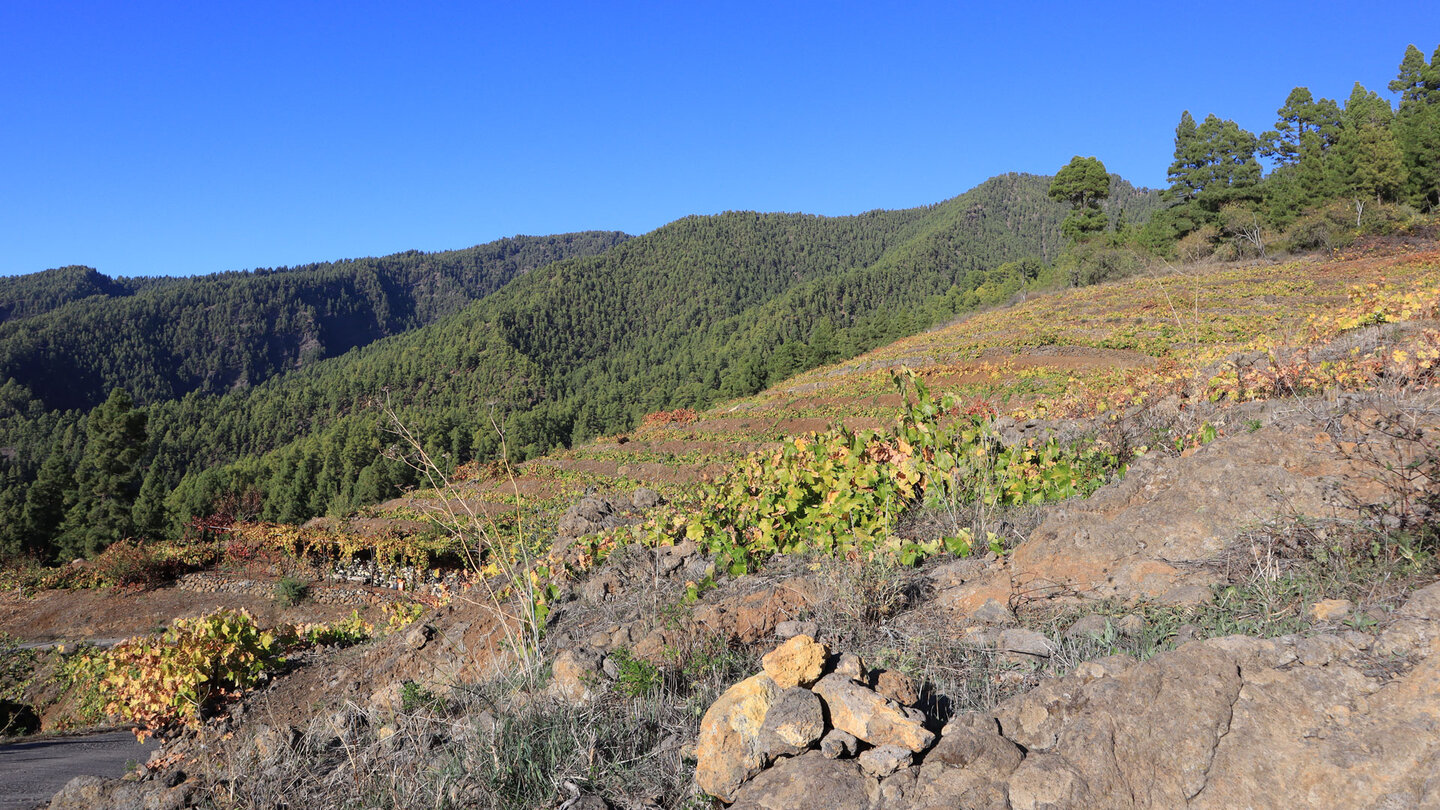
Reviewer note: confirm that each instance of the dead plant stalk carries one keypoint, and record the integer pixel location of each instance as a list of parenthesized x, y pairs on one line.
[(480, 540)]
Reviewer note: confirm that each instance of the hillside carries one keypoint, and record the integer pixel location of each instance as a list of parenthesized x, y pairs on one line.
[(1166, 508), (700, 309), (1202, 336), (70, 336), (1056, 494)]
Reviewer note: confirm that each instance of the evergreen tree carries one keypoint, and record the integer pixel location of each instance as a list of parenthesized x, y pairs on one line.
[(149, 515), (1184, 170), (107, 480), (1301, 115), (822, 343), (50, 496), (1369, 165), (1083, 182), (1227, 165), (1214, 165), (12, 513), (1417, 126)]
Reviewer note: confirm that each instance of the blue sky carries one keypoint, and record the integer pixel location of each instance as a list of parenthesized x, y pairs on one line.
[(172, 139)]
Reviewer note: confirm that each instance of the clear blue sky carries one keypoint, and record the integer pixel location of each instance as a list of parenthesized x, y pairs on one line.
[(147, 139)]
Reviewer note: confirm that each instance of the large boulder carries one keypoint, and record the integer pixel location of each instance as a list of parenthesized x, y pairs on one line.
[(91, 792), (871, 717), (1241, 722), (732, 746), (968, 767)]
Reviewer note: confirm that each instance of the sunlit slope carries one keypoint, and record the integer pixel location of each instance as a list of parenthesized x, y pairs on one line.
[(1222, 332)]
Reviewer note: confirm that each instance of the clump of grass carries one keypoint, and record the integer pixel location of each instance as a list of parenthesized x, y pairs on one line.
[(483, 748), (415, 698), (635, 677)]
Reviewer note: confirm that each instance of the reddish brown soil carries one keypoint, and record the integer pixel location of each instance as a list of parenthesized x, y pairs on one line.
[(116, 613)]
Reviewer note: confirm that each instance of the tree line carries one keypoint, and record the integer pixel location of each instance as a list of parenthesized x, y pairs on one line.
[(1365, 158)]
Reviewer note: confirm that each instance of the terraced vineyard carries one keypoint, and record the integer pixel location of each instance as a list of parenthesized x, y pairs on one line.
[(1215, 333)]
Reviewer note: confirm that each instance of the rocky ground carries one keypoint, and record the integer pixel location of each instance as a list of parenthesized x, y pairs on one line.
[(1094, 665)]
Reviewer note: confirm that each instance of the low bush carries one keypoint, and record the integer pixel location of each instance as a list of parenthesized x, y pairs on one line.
[(173, 680), (414, 698), (635, 677), (1340, 223), (350, 630), (128, 563), (290, 591)]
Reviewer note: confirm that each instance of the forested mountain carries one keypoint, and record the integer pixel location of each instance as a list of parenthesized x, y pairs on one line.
[(702, 308), (38, 293), (73, 334)]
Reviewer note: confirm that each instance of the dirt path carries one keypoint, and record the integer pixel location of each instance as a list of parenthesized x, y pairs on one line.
[(34, 770)]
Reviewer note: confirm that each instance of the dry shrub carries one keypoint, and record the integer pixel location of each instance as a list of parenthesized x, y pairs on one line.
[(659, 419), (1197, 245), (127, 563)]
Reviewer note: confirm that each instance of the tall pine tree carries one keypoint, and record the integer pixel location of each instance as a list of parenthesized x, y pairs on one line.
[(1417, 126), (107, 480), (1369, 165), (1083, 182)]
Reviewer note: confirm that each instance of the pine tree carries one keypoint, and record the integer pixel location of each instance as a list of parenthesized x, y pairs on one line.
[(1183, 174), (1300, 116), (12, 513), (1214, 163), (1370, 164), (1083, 182), (1417, 126), (50, 496), (149, 515), (107, 480)]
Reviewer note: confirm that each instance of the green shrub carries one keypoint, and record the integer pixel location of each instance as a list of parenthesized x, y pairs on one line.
[(636, 678), (414, 697), (290, 591), (1093, 262), (1340, 223), (128, 563)]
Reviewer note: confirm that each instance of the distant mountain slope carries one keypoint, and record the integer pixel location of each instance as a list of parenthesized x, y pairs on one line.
[(73, 334), (703, 308), (38, 293)]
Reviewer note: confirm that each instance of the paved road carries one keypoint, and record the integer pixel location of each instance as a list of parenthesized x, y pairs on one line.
[(32, 771)]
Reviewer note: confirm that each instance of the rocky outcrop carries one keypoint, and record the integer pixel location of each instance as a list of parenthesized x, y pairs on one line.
[(90, 792), (1347, 720), (591, 514), (1147, 535)]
